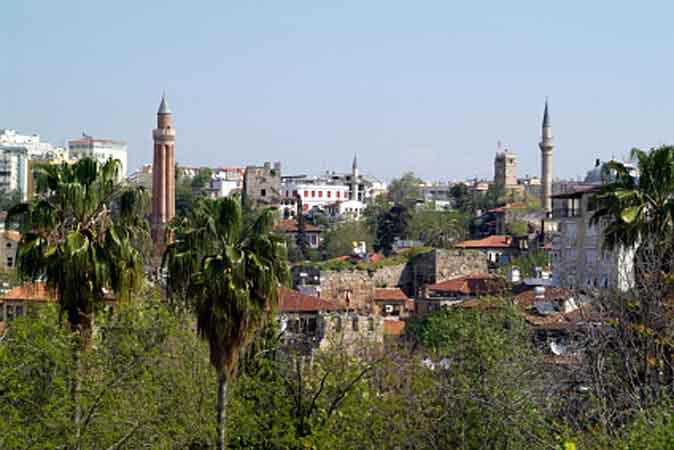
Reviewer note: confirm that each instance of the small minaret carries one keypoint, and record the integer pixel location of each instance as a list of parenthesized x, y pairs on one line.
[(354, 178), (163, 176), (546, 147)]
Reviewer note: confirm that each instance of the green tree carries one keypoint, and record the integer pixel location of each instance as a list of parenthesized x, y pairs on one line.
[(232, 275), (518, 228), (202, 179), (439, 229), (636, 207), (302, 240), (9, 199), (404, 190), (339, 240), (79, 236), (391, 224)]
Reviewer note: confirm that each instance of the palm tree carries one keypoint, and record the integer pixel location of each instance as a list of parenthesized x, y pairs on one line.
[(637, 206), (78, 234), (229, 275)]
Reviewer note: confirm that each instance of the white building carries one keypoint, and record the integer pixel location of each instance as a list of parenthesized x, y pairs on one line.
[(225, 181), (579, 260), (314, 192), (101, 150), (16, 153)]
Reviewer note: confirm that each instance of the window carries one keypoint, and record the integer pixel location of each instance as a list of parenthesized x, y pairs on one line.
[(329, 194), (338, 193), (294, 194), (10, 312), (370, 324), (10, 261), (354, 323), (287, 193), (306, 194), (305, 207), (263, 193), (9, 245), (313, 194), (18, 311)]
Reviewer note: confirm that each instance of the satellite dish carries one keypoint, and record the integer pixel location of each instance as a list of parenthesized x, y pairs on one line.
[(545, 309), (558, 349)]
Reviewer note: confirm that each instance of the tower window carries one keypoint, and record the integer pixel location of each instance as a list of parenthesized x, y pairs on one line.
[(263, 193)]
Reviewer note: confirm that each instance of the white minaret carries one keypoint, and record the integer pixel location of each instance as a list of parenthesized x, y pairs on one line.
[(546, 163), (354, 178)]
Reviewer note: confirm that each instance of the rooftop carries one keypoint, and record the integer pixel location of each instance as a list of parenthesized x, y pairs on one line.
[(390, 294), (480, 284), (495, 241), (290, 226), (291, 300), (30, 292)]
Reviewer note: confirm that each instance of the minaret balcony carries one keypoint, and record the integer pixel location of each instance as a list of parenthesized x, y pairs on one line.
[(164, 134)]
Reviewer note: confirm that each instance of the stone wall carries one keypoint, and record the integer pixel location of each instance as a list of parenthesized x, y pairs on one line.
[(441, 265), (355, 288)]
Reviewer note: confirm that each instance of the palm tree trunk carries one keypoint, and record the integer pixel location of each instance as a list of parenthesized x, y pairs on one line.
[(220, 407)]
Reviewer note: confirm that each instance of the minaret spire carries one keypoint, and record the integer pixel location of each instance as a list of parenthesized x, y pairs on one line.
[(546, 116), (354, 178), (546, 147)]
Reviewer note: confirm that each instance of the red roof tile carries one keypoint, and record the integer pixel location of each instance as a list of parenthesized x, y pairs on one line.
[(481, 284), (390, 294), (290, 226), (31, 292), (394, 327), (291, 300), (507, 207), (12, 235), (496, 241)]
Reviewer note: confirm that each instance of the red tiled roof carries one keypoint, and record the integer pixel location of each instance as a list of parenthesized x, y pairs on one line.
[(291, 300), (375, 257), (290, 226), (496, 241), (507, 207), (394, 327), (390, 294), (482, 284), (525, 295), (31, 292), (12, 235)]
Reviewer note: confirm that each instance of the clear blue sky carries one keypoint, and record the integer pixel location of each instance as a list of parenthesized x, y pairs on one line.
[(422, 86)]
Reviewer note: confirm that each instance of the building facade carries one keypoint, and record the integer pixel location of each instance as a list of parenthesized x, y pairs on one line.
[(16, 153), (100, 150), (578, 258), (163, 176)]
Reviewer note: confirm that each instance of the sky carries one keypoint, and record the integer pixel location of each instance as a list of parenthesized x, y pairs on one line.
[(423, 86)]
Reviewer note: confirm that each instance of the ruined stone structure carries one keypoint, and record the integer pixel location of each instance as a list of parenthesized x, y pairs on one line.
[(262, 185), (356, 288), (505, 170), (163, 177)]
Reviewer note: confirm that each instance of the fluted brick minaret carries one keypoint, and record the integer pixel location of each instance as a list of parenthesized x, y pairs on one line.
[(163, 176), (546, 147)]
